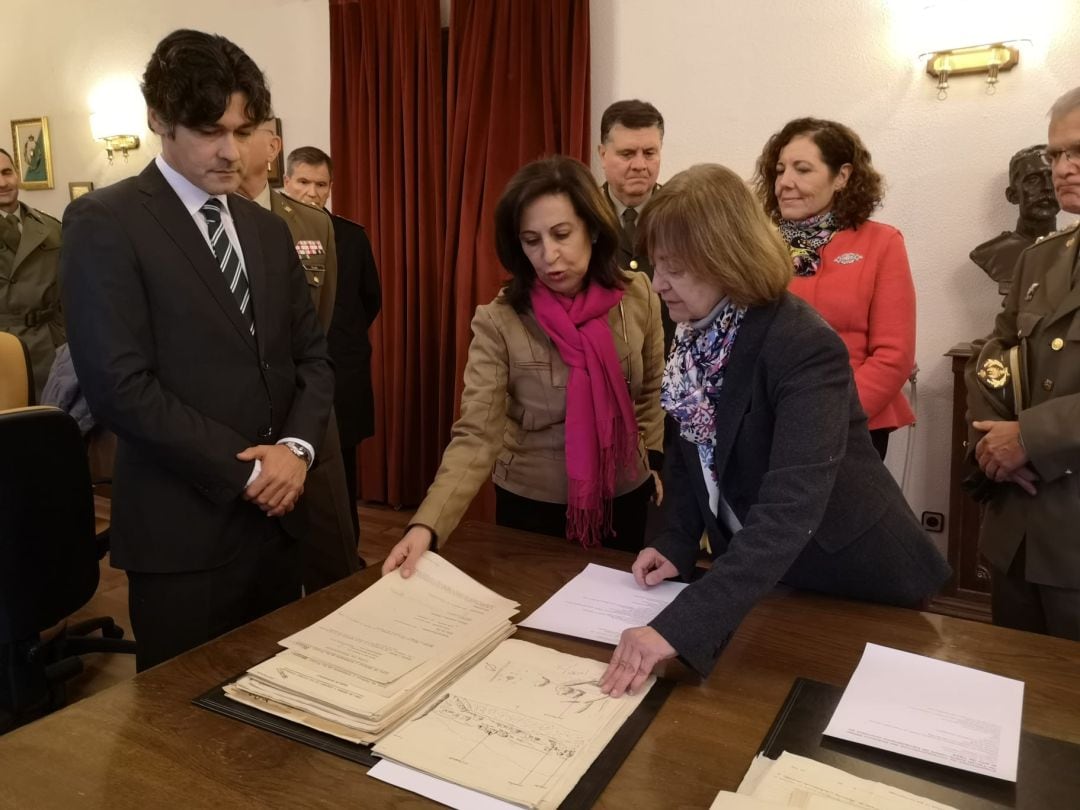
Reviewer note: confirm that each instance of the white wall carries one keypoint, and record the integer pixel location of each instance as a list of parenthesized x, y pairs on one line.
[(55, 59), (726, 75)]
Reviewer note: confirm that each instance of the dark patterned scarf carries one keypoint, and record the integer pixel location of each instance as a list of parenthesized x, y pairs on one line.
[(694, 376), (805, 238)]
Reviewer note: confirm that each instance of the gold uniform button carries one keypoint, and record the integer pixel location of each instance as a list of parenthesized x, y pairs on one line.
[(1057, 344), (1048, 385), (633, 264)]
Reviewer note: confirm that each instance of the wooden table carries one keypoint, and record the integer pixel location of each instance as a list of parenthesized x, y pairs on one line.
[(143, 744)]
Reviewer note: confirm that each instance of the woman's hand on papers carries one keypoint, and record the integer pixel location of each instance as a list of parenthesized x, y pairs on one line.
[(640, 650), (408, 551), (651, 568)]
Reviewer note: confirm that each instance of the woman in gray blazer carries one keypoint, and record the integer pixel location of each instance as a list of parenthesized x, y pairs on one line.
[(771, 459)]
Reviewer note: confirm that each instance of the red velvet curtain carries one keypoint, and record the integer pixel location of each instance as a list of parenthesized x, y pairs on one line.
[(517, 88), (387, 138)]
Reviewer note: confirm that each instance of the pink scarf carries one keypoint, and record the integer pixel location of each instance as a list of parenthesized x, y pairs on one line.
[(601, 431)]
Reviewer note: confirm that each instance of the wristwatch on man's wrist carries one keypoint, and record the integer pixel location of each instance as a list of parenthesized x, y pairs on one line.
[(299, 451)]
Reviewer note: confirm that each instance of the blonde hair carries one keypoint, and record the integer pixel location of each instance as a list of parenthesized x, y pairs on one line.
[(707, 217)]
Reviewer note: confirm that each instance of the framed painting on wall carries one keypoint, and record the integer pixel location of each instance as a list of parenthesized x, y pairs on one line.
[(80, 187), (33, 152)]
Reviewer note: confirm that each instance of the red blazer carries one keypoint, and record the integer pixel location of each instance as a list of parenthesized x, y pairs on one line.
[(863, 289)]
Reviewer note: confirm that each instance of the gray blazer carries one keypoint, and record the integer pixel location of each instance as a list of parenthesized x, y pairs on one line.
[(818, 508)]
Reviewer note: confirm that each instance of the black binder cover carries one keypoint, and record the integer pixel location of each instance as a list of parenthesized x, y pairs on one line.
[(584, 794), (1048, 773)]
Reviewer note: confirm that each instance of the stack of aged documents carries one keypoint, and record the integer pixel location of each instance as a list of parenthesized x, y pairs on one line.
[(360, 670)]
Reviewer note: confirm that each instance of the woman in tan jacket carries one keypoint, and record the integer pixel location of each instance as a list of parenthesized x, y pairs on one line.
[(561, 401)]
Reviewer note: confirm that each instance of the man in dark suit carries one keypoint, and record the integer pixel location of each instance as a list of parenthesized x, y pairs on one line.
[(195, 341), (330, 553), (309, 178), (631, 138)]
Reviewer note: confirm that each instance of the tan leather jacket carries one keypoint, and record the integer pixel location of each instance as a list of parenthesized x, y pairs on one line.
[(513, 407)]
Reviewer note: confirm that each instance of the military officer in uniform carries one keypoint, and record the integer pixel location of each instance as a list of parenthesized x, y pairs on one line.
[(631, 137), (330, 550), (29, 262), (1030, 187), (1025, 430), (309, 176)]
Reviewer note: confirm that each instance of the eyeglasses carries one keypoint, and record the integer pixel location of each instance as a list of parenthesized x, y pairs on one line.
[(1070, 153)]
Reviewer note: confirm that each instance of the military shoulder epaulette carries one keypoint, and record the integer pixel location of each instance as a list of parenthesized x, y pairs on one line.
[(295, 201), (37, 212), (1069, 229)]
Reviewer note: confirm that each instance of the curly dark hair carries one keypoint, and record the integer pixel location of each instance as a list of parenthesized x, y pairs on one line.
[(853, 204), (191, 76), (554, 175)]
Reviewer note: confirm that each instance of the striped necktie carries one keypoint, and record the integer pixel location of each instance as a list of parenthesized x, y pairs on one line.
[(232, 266)]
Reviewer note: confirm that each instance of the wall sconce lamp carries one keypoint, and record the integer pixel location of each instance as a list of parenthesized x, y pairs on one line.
[(988, 59), (104, 128)]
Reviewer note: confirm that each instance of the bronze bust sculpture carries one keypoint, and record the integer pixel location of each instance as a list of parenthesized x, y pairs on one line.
[(1031, 188)]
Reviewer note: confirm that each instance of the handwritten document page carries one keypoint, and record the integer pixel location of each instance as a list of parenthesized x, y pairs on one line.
[(524, 725), (932, 710), (601, 602), (364, 667), (794, 781)]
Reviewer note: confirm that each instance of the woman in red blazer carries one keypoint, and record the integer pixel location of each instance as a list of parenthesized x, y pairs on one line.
[(816, 181)]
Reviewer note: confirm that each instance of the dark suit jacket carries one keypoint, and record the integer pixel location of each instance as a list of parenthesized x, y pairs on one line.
[(167, 363), (359, 299), (797, 467), (630, 259)]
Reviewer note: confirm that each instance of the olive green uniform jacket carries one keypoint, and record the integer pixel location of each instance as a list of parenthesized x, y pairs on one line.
[(1042, 317), (30, 292)]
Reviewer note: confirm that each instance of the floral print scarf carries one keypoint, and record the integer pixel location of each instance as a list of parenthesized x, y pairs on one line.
[(695, 374), (805, 238)]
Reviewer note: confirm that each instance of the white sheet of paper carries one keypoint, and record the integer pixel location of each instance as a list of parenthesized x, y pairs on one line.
[(456, 796), (932, 710), (601, 602)]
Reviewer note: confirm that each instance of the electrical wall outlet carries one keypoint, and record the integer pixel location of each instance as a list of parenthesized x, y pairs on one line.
[(933, 521)]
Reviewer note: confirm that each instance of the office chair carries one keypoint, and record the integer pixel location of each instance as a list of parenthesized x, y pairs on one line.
[(16, 373), (49, 556)]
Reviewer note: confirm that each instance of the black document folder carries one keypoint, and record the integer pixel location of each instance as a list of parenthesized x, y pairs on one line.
[(1048, 773), (584, 794)]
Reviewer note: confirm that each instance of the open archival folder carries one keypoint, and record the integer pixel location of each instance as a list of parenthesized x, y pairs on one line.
[(523, 725), (932, 710), (422, 666)]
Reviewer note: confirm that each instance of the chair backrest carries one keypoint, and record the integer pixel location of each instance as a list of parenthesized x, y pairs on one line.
[(48, 553), (16, 373)]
